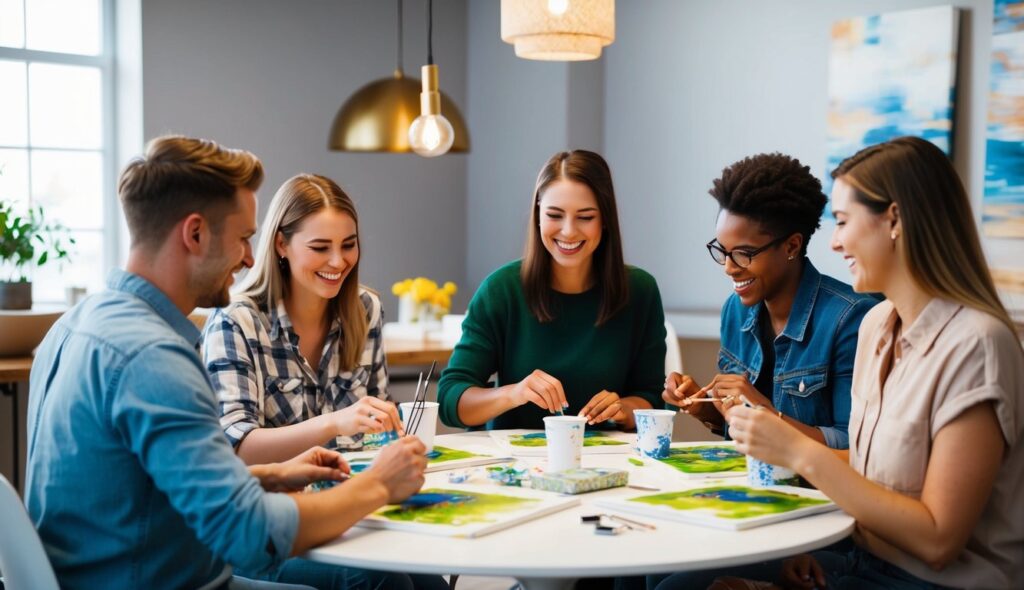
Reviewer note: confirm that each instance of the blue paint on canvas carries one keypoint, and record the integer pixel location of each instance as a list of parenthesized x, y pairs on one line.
[(891, 75), (1008, 16), (1002, 209)]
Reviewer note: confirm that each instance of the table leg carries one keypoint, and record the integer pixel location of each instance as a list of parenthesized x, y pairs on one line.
[(546, 583), (11, 389)]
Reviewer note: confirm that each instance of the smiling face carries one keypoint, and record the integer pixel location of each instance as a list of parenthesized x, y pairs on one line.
[(864, 238), (770, 271), (321, 253), (230, 252), (570, 223)]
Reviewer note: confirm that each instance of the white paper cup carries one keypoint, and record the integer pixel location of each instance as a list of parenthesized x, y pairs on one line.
[(426, 425), (654, 432), (565, 441), (762, 475)]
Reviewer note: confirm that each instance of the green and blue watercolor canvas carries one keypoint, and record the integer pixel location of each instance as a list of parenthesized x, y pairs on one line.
[(705, 460), (727, 506), (534, 443), (466, 511), (439, 459)]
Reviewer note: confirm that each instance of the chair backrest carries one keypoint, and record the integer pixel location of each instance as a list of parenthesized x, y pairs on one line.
[(23, 561), (673, 357)]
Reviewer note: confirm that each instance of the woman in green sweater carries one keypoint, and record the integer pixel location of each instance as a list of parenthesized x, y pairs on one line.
[(569, 327)]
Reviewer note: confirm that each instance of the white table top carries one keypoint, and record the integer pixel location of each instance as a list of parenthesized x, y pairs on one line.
[(558, 546)]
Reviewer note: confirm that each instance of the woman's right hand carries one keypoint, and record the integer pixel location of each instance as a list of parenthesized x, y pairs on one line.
[(399, 466), (541, 389), (679, 389), (369, 414)]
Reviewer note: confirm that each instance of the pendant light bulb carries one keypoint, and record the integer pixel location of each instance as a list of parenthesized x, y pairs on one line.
[(430, 134)]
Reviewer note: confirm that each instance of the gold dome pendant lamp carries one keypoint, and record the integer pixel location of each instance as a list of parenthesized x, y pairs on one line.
[(558, 30), (378, 116)]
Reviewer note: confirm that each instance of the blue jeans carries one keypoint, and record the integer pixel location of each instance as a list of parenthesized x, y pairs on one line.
[(849, 569), (325, 576)]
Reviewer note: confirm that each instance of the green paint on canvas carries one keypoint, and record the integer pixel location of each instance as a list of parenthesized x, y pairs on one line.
[(732, 502), (706, 459), (478, 508), (447, 454), (590, 439)]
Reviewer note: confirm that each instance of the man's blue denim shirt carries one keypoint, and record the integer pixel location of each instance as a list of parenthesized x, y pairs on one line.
[(813, 355), (131, 481)]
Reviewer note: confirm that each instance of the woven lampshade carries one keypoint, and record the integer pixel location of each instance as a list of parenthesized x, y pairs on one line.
[(558, 30), (377, 117)]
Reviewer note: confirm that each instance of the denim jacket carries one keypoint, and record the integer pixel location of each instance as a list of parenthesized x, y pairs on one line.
[(813, 355)]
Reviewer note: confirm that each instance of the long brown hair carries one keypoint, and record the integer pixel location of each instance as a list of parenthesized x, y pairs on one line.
[(938, 226), (590, 169), (267, 283)]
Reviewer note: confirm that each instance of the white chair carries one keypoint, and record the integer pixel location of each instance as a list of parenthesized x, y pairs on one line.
[(23, 561), (673, 357)]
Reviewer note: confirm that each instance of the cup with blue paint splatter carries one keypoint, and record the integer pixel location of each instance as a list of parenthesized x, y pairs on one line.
[(654, 432), (564, 436), (762, 475)]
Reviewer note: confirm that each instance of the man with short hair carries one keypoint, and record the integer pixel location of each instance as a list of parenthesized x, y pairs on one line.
[(131, 482)]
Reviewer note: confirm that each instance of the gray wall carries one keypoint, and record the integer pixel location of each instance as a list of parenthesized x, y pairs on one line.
[(269, 76), (688, 87)]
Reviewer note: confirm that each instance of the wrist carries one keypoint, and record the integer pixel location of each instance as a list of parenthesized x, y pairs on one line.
[(372, 488), (327, 425), (803, 458)]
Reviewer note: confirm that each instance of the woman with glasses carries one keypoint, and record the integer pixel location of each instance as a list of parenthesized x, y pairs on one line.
[(788, 333)]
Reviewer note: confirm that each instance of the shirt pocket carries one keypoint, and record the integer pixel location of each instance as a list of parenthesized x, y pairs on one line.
[(347, 387), (803, 396), (898, 456), (283, 403)]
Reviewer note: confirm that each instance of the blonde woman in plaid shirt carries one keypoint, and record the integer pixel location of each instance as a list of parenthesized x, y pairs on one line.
[(297, 358)]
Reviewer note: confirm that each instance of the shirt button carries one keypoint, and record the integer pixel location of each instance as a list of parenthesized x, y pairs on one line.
[(801, 387)]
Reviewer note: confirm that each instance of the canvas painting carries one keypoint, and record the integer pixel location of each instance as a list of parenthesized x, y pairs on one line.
[(439, 459), (891, 75), (534, 443), (1002, 206), (727, 506), (704, 460), (469, 511)]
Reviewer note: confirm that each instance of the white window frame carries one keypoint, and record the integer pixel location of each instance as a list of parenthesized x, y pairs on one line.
[(106, 63)]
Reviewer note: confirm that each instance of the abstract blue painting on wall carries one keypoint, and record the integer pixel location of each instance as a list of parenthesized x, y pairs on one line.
[(1002, 207), (891, 75)]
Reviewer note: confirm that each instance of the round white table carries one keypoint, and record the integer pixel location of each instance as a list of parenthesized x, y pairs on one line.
[(553, 551)]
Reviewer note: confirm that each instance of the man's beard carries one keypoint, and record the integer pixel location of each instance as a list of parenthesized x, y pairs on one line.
[(211, 284)]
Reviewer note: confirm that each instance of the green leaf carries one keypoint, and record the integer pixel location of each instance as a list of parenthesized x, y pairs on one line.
[(42, 258)]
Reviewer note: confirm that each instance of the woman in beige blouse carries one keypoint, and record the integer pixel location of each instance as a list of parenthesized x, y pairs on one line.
[(935, 470)]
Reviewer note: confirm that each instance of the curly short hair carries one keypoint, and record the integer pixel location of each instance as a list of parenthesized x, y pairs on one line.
[(776, 191)]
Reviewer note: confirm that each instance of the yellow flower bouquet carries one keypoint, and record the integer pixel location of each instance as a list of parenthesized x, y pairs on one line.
[(421, 300)]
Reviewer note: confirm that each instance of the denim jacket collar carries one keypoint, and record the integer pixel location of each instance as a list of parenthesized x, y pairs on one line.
[(121, 280), (803, 304)]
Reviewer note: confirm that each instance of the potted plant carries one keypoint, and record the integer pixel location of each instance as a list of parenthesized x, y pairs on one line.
[(27, 240)]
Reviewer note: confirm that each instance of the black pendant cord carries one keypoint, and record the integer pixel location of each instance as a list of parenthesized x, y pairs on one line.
[(430, 32), (399, 27)]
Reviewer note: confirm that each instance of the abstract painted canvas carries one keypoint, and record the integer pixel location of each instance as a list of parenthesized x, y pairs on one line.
[(727, 506), (704, 460), (891, 75), (466, 511), (534, 443), (439, 459), (1002, 207)]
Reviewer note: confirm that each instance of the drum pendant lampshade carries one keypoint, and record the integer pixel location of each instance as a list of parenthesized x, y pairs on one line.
[(558, 30)]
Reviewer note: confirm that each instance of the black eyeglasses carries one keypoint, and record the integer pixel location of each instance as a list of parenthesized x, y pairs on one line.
[(741, 258)]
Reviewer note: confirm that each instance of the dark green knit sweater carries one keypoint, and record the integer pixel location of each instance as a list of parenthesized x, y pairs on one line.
[(500, 335)]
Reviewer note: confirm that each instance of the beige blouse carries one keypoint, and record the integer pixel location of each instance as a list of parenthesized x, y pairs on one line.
[(953, 357)]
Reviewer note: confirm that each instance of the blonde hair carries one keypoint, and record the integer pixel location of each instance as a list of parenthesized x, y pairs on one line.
[(942, 244), (178, 176), (267, 283)]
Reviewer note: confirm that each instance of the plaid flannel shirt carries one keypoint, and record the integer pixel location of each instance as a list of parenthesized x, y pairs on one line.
[(263, 381)]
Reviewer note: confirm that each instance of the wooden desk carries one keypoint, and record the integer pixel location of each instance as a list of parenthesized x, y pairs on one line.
[(416, 352), (15, 369)]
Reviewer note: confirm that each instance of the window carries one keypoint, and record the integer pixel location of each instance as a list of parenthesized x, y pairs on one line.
[(57, 129)]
